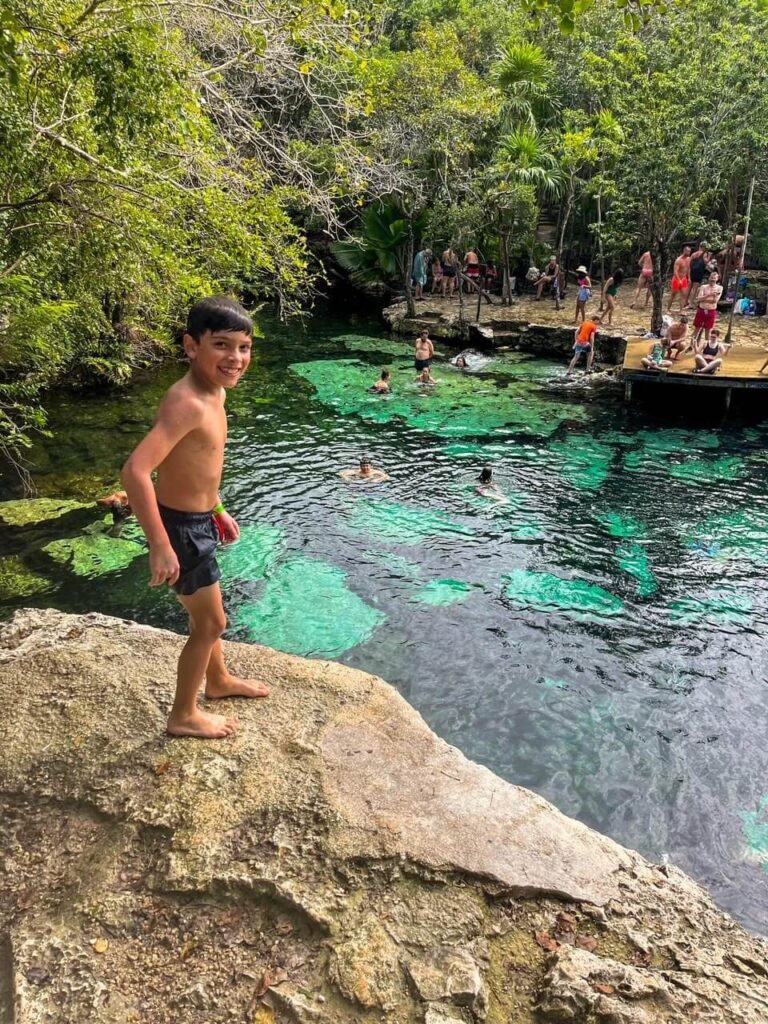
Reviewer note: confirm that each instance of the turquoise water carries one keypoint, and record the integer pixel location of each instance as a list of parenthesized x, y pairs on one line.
[(597, 637)]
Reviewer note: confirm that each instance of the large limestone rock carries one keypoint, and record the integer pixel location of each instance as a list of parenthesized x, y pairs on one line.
[(334, 862)]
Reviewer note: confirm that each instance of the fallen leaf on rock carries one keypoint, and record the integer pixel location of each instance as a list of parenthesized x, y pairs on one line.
[(100, 945), (161, 767), (601, 986), (588, 942), (546, 941), (37, 975), (284, 928), (566, 921), (189, 947), (269, 979)]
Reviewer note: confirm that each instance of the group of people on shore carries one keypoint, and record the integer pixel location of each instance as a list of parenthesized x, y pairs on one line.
[(446, 271)]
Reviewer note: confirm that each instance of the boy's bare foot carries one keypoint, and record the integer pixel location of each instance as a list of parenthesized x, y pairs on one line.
[(232, 686), (202, 725)]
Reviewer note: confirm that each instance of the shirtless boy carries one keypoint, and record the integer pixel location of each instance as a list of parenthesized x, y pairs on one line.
[(680, 278), (182, 514)]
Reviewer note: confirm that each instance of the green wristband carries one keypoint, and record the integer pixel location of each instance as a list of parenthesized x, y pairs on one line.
[(218, 509)]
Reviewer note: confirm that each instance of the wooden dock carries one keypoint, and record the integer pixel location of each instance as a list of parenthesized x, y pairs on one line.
[(740, 370)]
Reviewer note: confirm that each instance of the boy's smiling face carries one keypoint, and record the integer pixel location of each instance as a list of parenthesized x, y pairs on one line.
[(219, 358)]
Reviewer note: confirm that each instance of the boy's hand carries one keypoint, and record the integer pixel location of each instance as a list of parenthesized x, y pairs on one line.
[(163, 565), (228, 529)]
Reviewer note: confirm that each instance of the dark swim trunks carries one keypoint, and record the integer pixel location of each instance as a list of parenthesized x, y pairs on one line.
[(422, 364), (193, 537)]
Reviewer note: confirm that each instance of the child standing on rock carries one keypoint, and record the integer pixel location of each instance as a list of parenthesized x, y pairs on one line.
[(182, 515)]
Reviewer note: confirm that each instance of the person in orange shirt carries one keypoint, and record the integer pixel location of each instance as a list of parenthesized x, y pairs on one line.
[(585, 343)]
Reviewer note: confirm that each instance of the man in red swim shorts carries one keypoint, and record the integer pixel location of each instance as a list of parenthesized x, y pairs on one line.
[(680, 275), (707, 300)]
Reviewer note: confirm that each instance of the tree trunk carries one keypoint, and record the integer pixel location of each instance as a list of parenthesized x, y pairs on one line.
[(564, 224), (600, 246), (409, 301), (660, 253), (506, 279)]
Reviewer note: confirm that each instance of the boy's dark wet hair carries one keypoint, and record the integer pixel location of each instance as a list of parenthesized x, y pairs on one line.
[(385, 374), (365, 460), (217, 313), (486, 475)]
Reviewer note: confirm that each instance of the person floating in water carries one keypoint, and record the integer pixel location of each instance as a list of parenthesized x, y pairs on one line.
[(365, 472), (584, 344), (460, 362), (488, 488), (381, 387), (426, 379), (182, 514), (121, 511)]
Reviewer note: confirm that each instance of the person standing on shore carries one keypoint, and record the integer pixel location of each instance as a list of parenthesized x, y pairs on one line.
[(181, 513), (419, 274), (450, 266), (583, 294), (707, 300), (610, 290), (680, 278), (645, 280)]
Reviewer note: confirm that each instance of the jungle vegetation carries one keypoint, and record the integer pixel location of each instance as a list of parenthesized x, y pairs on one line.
[(151, 152)]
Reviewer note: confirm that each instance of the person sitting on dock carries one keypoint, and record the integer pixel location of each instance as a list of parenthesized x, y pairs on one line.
[(710, 355), (365, 472), (677, 339), (381, 387), (584, 343), (657, 357)]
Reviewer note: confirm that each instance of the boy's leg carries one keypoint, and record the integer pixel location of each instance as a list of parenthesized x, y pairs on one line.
[(590, 357), (206, 624), (219, 681)]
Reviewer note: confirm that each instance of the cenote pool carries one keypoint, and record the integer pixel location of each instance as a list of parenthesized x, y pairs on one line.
[(599, 639)]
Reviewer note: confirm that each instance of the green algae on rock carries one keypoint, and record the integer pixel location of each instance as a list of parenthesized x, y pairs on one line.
[(583, 461), (543, 591), (441, 593), (755, 828), (724, 606), (96, 552), (391, 521), (28, 511), (704, 470), (365, 343), (307, 609), (17, 580), (633, 559), (622, 526), (253, 554), (460, 405)]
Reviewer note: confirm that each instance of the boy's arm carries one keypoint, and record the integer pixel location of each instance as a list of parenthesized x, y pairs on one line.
[(174, 421)]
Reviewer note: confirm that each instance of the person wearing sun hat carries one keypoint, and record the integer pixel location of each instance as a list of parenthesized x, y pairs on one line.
[(584, 293)]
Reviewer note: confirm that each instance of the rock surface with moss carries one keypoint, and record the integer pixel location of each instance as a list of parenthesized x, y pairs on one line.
[(334, 862)]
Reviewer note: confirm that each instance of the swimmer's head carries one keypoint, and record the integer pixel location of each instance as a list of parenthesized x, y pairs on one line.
[(365, 462), (385, 374), (486, 475)]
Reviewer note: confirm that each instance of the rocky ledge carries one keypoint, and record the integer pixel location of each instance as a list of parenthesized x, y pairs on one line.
[(501, 327), (334, 862)]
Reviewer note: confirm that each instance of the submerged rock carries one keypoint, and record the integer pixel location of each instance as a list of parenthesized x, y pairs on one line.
[(334, 862)]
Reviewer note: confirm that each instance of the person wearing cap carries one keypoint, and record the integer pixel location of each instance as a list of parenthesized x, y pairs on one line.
[(584, 293), (365, 472)]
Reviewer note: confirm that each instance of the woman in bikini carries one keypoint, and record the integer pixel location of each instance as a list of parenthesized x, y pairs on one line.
[(450, 263), (610, 289), (584, 293), (646, 278)]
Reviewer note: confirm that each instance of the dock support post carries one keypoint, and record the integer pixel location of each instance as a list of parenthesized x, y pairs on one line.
[(727, 399), (627, 390)]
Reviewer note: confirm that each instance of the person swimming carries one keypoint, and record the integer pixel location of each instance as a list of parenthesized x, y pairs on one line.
[(365, 472), (425, 378), (460, 362), (488, 488), (381, 387)]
